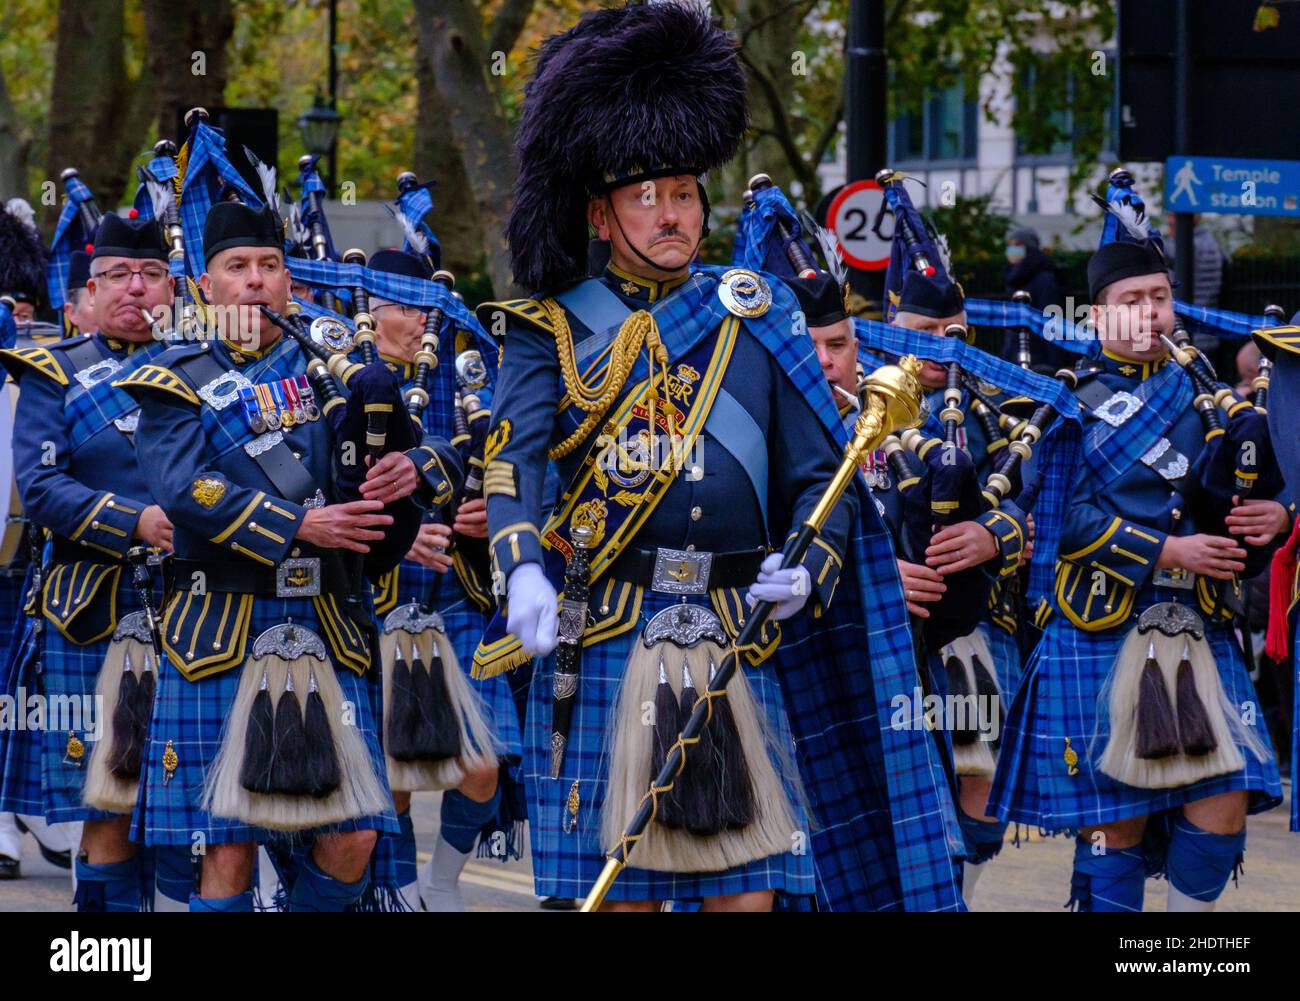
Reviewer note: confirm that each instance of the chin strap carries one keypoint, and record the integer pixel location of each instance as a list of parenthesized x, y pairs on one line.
[(704, 231)]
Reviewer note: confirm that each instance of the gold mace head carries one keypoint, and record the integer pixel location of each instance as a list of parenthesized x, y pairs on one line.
[(900, 388)]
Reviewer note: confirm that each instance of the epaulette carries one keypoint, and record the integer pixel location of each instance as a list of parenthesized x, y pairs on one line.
[(528, 311), (1274, 339), (160, 379), (43, 360)]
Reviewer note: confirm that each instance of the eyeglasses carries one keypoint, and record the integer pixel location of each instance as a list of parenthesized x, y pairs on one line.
[(410, 312), (117, 277)]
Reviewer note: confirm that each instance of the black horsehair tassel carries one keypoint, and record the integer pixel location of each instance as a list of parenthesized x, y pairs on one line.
[(441, 710), (1157, 731), (959, 688), (323, 775), (1194, 730), (289, 758), (986, 688), (701, 809), (734, 778), (255, 773), (144, 696), (126, 760), (403, 713), (667, 725)]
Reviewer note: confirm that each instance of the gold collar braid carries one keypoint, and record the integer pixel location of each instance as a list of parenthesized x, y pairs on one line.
[(596, 398)]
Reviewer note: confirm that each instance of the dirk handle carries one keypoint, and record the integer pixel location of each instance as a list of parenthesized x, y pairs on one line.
[(894, 401)]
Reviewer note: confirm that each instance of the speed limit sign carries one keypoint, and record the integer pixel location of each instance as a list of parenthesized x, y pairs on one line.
[(850, 217)]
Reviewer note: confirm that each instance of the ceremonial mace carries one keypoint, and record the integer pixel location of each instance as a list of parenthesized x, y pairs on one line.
[(894, 401)]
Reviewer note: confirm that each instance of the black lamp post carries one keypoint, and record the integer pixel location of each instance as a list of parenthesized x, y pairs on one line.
[(319, 126)]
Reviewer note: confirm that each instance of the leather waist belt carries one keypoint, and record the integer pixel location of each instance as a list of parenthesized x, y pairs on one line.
[(303, 577), (687, 571)]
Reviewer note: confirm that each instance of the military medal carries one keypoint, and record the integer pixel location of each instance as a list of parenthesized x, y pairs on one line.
[(282, 407), (252, 413), (308, 398), (295, 404), (266, 403), (745, 293)]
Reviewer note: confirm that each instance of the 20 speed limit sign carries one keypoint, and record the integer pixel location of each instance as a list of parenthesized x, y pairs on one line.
[(850, 216)]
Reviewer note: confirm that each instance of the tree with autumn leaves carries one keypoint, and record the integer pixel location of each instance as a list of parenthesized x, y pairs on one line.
[(436, 86)]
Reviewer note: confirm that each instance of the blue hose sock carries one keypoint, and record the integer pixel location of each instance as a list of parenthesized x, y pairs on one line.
[(462, 818), (1200, 863), (175, 872), (1107, 880), (112, 886), (240, 903), (404, 850), (315, 890), (983, 837)]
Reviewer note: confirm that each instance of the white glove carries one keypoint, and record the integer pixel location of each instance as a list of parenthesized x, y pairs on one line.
[(531, 604), (789, 589)]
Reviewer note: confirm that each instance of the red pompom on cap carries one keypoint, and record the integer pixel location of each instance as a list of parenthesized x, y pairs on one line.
[(133, 214)]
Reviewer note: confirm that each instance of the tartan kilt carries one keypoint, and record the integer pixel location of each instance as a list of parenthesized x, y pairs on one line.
[(71, 670), (192, 714), (1059, 698), (20, 750), (566, 865), (1006, 659), (465, 625)]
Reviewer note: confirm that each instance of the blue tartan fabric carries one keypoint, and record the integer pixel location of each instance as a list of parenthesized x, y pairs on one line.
[(758, 245), (1059, 698), (71, 671), (310, 182), (89, 411), (192, 716), (1055, 329), (1056, 456), (8, 329), (160, 168), (415, 204), (394, 288), (1223, 322), (1006, 661), (206, 169), (566, 865), (1111, 451), (69, 235), (20, 749)]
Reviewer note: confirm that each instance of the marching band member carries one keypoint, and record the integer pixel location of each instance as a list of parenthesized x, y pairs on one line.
[(687, 463), (78, 477), (1133, 726), (266, 717)]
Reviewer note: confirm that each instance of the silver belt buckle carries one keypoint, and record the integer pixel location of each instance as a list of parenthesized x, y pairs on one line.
[(1175, 577), (681, 571), (298, 578)]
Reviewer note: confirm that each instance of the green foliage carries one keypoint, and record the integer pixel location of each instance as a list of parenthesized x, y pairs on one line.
[(975, 233)]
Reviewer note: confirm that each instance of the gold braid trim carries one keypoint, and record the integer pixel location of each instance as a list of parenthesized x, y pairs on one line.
[(639, 328)]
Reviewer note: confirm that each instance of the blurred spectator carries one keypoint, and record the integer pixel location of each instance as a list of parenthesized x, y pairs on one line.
[(1030, 270), (1247, 369)]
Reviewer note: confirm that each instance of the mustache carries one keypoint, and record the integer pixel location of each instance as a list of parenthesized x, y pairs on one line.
[(667, 234)]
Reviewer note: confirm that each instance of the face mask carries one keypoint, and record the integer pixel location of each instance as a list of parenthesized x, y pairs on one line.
[(1015, 254)]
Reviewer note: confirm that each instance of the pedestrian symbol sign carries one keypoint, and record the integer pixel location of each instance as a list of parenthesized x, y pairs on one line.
[(1233, 186)]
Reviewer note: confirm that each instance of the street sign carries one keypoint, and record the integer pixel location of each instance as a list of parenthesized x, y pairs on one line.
[(850, 217), (1233, 186)]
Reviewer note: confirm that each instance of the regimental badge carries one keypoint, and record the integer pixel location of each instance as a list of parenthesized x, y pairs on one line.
[(497, 439), (630, 288), (687, 374), (333, 334), (744, 293), (170, 761), (207, 491), (591, 513), (74, 751)]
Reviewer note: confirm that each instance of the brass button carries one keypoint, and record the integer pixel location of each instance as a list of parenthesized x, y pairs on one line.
[(604, 609), (691, 548), (94, 524), (234, 545), (297, 455), (266, 504), (1114, 549), (696, 513), (697, 472), (252, 525), (294, 552)]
